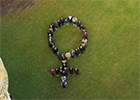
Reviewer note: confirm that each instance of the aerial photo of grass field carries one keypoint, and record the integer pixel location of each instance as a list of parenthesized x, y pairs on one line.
[(109, 68)]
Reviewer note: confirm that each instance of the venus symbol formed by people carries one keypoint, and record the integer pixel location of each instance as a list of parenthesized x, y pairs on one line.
[(63, 71)]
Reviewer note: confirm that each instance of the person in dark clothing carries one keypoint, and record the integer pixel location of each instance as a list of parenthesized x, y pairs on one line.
[(62, 20), (67, 21), (71, 70), (78, 49), (76, 71), (58, 55), (53, 26), (55, 50), (59, 24), (70, 19), (72, 53), (79, 23), (57, 71), (51, 43), (64, 63), (66, 71), (50, 32), (81, 49), (82, 27), (76, 52)]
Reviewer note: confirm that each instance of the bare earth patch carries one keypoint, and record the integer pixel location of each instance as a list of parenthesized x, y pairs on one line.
[(14, 6)]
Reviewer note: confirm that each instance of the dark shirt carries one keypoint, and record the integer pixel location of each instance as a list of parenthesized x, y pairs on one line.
[(77, 72), (57, 71), (71, 70)]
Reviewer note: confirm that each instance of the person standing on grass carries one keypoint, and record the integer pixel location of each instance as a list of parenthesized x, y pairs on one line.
[(66, 21), (58, 55), (63, 84), (77, 52), (59, 24), (50, 32), (79, 23), (62, 20), (66, 71), (72, 53), (71, 70), (81, 49), (82, 28), (76, 71), (51, 43), (64, 63), (56, 25), (61, 70), (63, 78), (57, 71), (53, 26), (70, 18), (63, 56), (55, 50), (74, 20), (52, 72), (85, 34)]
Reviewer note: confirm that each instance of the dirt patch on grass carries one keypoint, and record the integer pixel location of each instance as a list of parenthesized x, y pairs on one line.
[(4, 3), (12, 6)]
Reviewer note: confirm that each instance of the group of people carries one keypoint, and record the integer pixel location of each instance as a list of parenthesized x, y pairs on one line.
[(75, 52), (64, 71), (65, 57)]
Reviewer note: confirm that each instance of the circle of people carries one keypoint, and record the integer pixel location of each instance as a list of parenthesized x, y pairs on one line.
[(65, 57)]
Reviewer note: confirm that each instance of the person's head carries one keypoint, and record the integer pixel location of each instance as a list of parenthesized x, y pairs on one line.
[(76, 69), (63, 71), (52, 69), (58, 53), (77, 47), (56, 69), (70, 67), (60, 67), (49, 34), (53, 46), (64, 64), (81, 47), (65, 68)]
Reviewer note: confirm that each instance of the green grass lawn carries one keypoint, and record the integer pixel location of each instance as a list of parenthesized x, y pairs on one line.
[(109, 69)]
